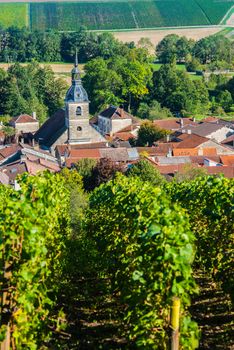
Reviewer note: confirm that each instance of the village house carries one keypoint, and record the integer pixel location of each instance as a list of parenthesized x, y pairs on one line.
[(25, 123)]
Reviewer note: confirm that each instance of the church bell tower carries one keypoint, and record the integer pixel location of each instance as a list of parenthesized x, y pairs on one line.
[(77, 109)]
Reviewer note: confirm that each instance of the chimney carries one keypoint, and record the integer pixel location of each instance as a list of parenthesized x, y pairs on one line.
[(23, 157), (34, 115), (169, 154), (181, 122), (121, 111), (194, 119), (189, 131), (168, 138)]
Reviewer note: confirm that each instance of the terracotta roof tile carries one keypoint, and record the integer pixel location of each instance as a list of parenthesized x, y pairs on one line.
[(229, 139), (24, 118), (185, 152), (125, 136), (174, 124), (228, 160), (9, 151), (227, 171), (210, 120), (191, 141)]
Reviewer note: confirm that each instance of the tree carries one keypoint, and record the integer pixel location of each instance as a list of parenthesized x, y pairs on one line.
[(149, 133), (189, 173), (166, 50), (146, 172), (153, 111), (224, 99), (104, 171), (117, 80), (213, 48), (175, 90), (85, 168)]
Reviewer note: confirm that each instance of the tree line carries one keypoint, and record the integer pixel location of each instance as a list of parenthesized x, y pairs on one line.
[(115, 73), (30, 88), (23, 45), (212, 52)]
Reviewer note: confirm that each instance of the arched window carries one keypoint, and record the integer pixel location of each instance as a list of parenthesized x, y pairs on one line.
[(78, 110)]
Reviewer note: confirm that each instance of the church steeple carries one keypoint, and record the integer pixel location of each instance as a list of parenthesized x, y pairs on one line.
[(76, 92), (76, 78)]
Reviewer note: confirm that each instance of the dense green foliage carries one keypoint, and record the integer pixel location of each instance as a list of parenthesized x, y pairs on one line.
[(209, 202), (174, 90), (147, 249), (69, 16), (146, 172), (149, 133), (34, 228), (210, 51), (120, 79), (22, 45), (30, 89)]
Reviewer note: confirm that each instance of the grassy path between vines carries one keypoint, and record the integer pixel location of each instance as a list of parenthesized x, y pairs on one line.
[(95, 318)]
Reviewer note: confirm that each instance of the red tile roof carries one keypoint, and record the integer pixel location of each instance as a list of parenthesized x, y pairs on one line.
[(9, 151), (24, 118), (227, 171), (227, 160), (228, 139), (210, 120), (84, 153), (191, 141), (194, 151), (174, 124), (124, 136), (185, 152)]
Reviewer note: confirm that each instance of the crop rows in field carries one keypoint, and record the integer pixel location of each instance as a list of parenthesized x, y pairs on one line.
[(113, 14), (215, 10), (116, 15)]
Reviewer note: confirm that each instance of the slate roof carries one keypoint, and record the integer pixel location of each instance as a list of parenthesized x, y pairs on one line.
[(52, 129), (172, 160), (115, 154), (205, 129), (113, 112)]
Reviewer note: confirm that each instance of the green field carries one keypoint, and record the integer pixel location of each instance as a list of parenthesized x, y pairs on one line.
[(215, 10), (14, 14), (113, 14)]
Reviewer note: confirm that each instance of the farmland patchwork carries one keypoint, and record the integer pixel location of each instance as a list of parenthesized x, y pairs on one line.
[(113, 14)]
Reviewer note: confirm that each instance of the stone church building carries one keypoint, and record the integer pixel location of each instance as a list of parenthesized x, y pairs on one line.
[(71, 124)]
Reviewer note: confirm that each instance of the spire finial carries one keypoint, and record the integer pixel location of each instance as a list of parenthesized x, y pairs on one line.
[(76, 59)]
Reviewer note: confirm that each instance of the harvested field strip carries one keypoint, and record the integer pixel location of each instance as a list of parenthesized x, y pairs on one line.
[(14, 14)]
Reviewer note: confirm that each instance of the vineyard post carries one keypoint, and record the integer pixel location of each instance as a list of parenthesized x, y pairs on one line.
[(174, 323)]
